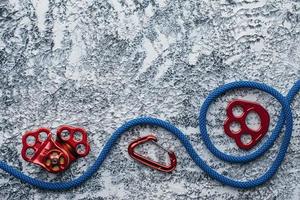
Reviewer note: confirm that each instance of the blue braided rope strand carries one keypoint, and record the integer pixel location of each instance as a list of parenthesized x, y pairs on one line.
[(284, 119)]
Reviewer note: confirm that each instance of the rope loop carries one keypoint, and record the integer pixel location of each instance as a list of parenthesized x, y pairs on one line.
[(284, 119)]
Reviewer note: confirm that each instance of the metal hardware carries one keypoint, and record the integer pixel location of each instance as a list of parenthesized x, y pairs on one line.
[(55, 155), (256, 135), (148, 162)]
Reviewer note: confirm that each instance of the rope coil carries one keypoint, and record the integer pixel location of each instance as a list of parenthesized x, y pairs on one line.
[(284, 119)]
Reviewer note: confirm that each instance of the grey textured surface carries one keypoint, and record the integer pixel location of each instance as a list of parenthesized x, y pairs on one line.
[(98, 63)]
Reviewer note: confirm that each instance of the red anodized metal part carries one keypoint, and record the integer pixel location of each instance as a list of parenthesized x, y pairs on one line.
[(148, 162), (256, 135), (55, 155)]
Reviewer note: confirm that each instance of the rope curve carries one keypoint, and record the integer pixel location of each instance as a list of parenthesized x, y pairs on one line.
[(284, 119)]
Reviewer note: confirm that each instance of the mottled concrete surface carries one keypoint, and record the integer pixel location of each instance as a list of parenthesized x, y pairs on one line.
[(98, 63)]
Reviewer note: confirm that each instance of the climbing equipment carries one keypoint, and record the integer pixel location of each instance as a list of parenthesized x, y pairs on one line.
[(144, 160), (148, 162), (247, 107), (285, 118), (55, 155)]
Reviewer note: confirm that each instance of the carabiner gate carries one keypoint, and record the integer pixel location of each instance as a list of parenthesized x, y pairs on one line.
[(148, 162)]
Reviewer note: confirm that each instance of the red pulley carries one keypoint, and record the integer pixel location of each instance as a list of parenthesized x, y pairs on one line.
[(55, 155)]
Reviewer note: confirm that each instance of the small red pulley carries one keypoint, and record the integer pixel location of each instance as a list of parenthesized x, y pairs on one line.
[(148, 162), (55, 155), (255, 135)]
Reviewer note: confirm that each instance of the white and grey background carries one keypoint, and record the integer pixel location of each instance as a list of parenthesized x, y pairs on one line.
[(99, 63)]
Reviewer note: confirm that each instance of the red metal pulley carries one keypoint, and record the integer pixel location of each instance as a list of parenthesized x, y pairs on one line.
[(55, 156)]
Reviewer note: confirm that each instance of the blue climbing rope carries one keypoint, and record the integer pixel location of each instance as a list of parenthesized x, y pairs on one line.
[(284, 119)]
